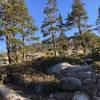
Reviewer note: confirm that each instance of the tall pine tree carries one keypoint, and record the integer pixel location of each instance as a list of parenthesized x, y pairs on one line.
[(14, 18), (78, 19), (6, 20), (49, 27), (26, 26), (62, 37)]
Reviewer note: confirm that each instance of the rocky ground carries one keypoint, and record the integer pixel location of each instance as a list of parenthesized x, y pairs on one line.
[(62, 81)]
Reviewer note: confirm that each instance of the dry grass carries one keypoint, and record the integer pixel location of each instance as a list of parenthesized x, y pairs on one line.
[(39, 78)]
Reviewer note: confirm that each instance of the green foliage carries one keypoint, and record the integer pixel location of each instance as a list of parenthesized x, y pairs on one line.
[(78, 17), (18, 28), (90, 40), (50, 20), (62, 39), (49, 28), (19, 24)]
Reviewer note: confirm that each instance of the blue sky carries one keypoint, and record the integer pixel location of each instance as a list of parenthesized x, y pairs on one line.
[(36, 7)]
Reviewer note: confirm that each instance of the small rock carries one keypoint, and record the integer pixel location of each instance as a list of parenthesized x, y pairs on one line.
[(80, 96)]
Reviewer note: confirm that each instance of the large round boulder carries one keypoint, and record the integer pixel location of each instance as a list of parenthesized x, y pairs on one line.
[(56, 69), (70, 84)]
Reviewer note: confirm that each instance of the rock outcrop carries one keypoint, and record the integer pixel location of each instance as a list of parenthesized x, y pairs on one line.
[(76, 78)]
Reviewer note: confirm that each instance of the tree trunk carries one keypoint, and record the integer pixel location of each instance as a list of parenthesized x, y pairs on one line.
[(54, 44), (7, 40), (53, 37), (23, 39), (82, 43), (14, 47), (63, 50), (8, 49)]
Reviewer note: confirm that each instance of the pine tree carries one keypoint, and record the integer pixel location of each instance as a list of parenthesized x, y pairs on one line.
[(26, 27), (49, 27), (6, 27), (27, 32), (14, 28), (62, 37), (78, 19), (9, 26), (15, 17), (98, 21)]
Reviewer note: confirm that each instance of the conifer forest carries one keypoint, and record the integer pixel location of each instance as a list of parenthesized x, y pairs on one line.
[(49, 50)]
